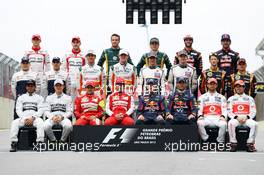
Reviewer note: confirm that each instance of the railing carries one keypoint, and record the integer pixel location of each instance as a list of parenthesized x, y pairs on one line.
[(8, 67), (260, 93)]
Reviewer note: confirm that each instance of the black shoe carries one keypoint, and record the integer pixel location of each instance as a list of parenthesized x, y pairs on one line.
[(13, 147), (251, 147), (233, 147)]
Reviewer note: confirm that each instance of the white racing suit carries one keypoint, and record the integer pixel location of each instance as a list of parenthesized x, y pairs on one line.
[(241, 105), (39, 63), (58, 105), (151, 73), (50, 78), (72, 64), (212, 106), (18, 84), (188, 72), (95, 74), (127, 72), (19, 81), (28, 106)]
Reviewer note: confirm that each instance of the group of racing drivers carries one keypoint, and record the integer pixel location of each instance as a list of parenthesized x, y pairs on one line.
[(122, 94)]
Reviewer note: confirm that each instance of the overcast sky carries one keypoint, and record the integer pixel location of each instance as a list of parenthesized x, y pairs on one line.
[(94, 21)]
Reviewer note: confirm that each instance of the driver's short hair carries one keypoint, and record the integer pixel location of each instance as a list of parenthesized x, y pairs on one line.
[(115, 35)]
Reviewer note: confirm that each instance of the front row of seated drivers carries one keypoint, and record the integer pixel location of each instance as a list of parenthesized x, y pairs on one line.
[(213, 110)]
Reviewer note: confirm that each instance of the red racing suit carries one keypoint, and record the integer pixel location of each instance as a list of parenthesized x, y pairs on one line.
[(116, 103), (88, 106)]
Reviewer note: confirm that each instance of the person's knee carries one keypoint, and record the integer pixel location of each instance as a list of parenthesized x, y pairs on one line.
[(233, 123), (222, 124), (95, 121), (14, 122), (200, 123), (109, 121), (251, 123), (128, 121), (67, 126), (47, 126), (81, 122)]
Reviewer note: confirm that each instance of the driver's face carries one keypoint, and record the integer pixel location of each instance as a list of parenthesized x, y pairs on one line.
[(188, 42)]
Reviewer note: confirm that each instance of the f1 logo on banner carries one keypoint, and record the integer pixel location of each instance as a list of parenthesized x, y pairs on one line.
[(125, 137)]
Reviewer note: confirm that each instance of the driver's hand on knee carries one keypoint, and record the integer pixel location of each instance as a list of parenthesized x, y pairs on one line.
[(160, 117), (141, 117), (169, 116)]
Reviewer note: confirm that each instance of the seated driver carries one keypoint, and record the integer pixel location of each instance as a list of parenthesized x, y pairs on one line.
[(242, 111)]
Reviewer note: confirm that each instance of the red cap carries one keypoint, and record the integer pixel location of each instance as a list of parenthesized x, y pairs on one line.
[(240, 82), (187, 37), (210, 80), (36, 36), (89, 83), (120, 80), (76, 38)]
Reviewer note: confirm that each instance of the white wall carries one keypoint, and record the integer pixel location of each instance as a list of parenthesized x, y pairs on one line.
[(6, 112)]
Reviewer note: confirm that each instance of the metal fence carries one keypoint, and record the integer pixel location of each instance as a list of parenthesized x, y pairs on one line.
[(8, 67), (260, 95)]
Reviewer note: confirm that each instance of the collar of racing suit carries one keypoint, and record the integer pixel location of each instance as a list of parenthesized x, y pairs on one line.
[(217, 69), (151, 94), (56, 71), (212, 94), (183, 65), (36, 49), (31, 94), (242, 73), (152, 67), (119, 93), (91, 65), (226, 50), (76, 52), (25, 72), (240, 95), (59, 96), (155, 52), (115, 48), (180, 91), (89, 95), (187, 49), (123, 64)]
